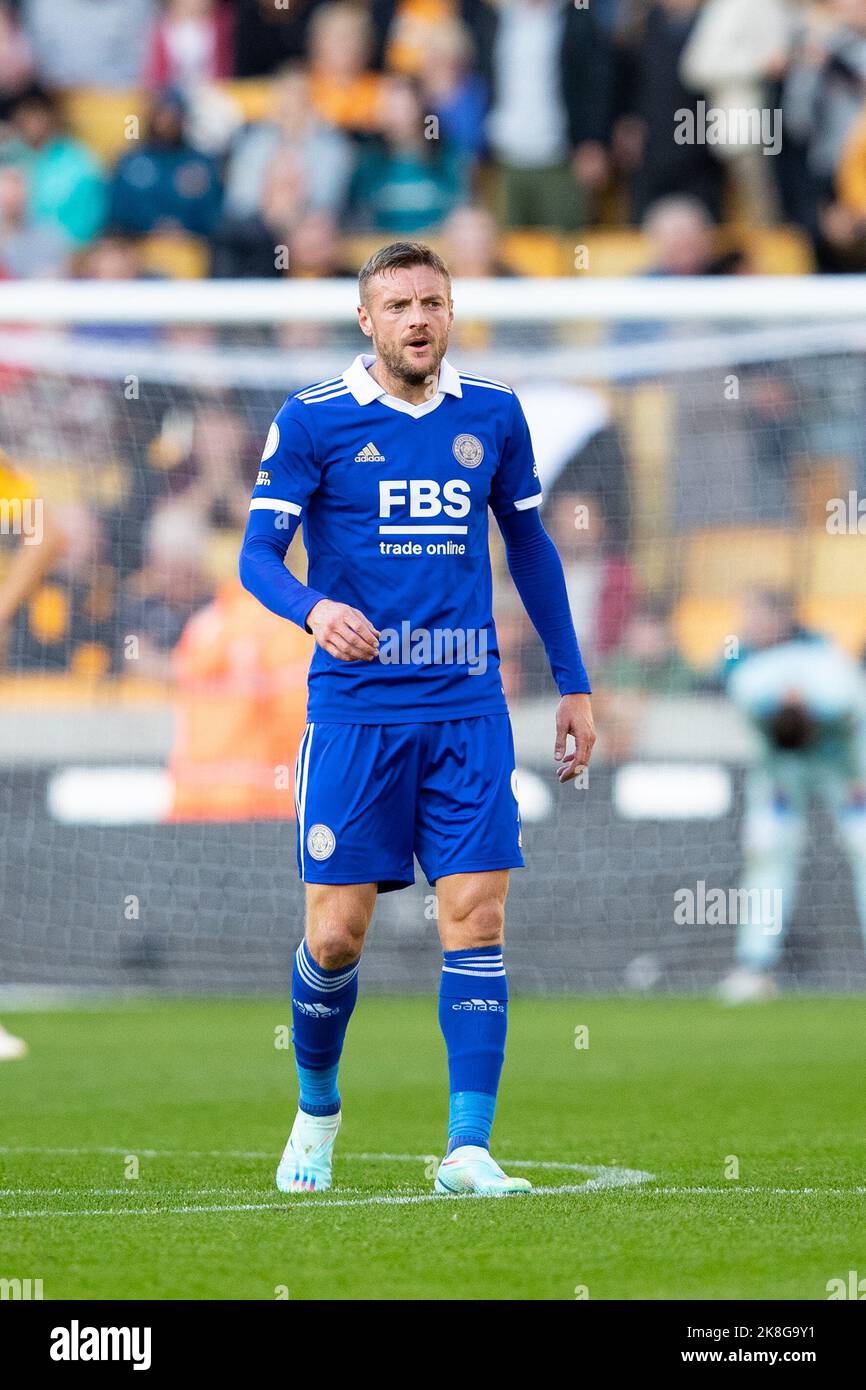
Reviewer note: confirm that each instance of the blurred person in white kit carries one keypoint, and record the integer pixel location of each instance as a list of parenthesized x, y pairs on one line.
[(806, 700)]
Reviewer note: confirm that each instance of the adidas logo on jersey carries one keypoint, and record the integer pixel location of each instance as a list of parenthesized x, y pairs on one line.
[(369, 454), (315, 1010)]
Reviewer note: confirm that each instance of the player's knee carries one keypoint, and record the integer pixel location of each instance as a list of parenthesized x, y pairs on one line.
[(337, 919), (333, 944), (476, 923)]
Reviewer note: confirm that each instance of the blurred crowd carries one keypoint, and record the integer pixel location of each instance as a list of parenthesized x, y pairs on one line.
[(458, 119), (146, 500), (392, 117)]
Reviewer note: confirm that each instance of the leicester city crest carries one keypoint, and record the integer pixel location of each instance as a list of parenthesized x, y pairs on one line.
[(468, 450), (321, 842)]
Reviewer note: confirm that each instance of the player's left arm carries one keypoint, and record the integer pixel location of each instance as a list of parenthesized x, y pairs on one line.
[(535, 567)]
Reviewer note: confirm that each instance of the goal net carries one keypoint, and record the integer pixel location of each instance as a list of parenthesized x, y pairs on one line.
[(701, 449)]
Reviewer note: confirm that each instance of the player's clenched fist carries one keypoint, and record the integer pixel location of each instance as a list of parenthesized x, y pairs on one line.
[(343, 631)]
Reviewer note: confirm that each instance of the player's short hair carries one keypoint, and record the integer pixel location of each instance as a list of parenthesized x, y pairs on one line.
[(397, 256)]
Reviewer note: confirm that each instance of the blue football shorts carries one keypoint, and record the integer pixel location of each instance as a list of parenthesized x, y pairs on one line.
[(370, 796)]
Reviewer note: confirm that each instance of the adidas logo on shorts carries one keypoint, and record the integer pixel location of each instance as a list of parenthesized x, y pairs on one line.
[(369, 454)]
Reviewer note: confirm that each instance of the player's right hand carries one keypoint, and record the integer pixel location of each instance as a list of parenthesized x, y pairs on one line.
[(343, 631)]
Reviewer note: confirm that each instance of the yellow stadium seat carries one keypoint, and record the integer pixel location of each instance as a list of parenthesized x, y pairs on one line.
[(627, 251), (773, 250), (827, 571), (844, 622), (616, 251), (176, 257), (358, 249), (532, 252), (106, 120), (835, 567), (90, 660), (527, 252), (252, 96), (701, 626), (725, 562), (48, 613)]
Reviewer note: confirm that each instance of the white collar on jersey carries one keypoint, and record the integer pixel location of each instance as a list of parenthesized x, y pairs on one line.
[(365, 388)]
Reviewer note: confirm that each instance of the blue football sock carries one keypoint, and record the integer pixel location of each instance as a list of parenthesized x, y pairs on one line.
[(322, 1004), (473, 1016)]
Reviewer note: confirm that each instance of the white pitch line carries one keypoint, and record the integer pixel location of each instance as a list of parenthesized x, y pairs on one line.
[(606, 1177), (307, 1204), (753, 1190), (138, 1152), (321, 1203), (549, 1165), (146, 1190), (310, 1204), (599, 1176)]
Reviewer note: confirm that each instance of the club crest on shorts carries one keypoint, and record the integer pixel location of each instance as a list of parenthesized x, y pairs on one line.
[(321, 841), (468, 450)]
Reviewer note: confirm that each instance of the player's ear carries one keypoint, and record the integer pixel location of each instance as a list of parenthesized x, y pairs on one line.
[(364, 320)]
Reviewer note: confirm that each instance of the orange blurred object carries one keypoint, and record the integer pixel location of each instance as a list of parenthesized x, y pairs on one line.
[(352, 106), (241, 710)]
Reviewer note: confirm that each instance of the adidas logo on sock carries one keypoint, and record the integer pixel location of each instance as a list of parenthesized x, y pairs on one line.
[(315, 1010), (369, 454), (480, 1006)]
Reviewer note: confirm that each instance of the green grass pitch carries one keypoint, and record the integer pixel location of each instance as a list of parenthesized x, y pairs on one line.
[(199, 1095)]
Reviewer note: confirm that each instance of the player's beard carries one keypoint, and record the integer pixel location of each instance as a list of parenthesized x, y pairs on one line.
[(402, 369)]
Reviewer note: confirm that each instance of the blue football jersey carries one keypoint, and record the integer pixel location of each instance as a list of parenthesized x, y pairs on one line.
[(393, 499)]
